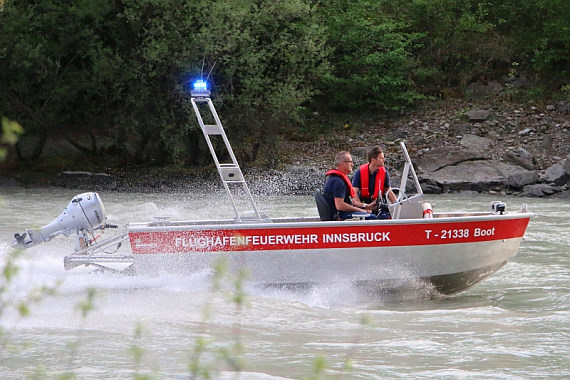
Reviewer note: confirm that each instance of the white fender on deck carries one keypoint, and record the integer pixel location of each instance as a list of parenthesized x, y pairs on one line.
[(428, 212)]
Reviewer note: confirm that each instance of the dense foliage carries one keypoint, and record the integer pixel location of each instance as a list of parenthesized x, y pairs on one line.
[(372, 57), (111, 77), (468, 40)]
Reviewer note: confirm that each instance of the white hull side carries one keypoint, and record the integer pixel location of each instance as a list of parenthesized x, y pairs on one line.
[(467, 263)]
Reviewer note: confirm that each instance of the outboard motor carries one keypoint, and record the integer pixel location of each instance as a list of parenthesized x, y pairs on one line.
[(84, 213), (498, 207)]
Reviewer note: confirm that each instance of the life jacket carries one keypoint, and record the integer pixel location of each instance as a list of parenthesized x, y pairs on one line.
[(344, 177), (364, 178)]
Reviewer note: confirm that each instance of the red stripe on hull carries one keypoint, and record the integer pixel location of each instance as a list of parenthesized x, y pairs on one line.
[(324, 237)]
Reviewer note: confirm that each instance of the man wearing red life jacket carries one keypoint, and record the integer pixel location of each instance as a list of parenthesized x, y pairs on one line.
[(338, 190), (372, 182)]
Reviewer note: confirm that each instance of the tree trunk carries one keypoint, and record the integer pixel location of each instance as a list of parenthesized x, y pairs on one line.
[(37, 149)]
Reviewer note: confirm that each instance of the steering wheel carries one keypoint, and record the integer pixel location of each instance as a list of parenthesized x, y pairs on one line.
[(400, 195)]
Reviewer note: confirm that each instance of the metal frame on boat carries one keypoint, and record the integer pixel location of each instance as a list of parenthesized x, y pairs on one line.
[(449, 251)]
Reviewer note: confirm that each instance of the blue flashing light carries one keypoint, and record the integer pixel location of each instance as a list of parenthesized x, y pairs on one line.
[(200, 85), (200, 89)]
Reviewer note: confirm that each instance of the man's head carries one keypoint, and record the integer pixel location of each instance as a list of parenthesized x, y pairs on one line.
[(376, 157), (343, 162)]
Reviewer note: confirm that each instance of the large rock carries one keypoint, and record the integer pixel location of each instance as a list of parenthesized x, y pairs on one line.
[(480, 176), (546, 142), (517, 176), (563, 107), (539, 190), (474, 175), (476, 143), (522, 178), (559, 173), (444, 156), (520, 157), (478, 115), (480, 90)]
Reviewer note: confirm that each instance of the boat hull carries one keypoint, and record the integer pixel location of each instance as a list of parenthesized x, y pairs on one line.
[(450, 253)]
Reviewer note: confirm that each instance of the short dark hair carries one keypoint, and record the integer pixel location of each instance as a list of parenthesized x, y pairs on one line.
[(374, 152)]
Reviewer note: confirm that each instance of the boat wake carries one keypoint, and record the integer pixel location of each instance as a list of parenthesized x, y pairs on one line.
[(39, 268), (351, 294)]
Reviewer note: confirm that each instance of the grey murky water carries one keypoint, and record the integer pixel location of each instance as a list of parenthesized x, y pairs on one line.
[(514, 325)]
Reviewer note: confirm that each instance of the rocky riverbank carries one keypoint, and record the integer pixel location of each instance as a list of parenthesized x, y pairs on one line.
[(456, 146), (460, 146)]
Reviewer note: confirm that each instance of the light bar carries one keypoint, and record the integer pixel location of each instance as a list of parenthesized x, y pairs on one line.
[(200, 89)]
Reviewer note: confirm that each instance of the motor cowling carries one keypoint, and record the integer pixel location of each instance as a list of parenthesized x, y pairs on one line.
[(85, 212)]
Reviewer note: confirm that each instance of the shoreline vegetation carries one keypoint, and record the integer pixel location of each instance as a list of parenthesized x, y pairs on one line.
[(455, 145), (479, 91)]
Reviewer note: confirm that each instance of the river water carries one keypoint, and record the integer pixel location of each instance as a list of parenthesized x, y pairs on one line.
[(514, 325)]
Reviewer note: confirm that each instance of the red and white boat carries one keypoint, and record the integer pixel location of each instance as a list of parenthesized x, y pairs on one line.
[(451, 251)]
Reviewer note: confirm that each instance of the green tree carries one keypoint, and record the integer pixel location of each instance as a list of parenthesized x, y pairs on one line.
[(115, 73), (540, 32), (460, 43), (59, 72), (469, 40), (372, 59), (270, 58)]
